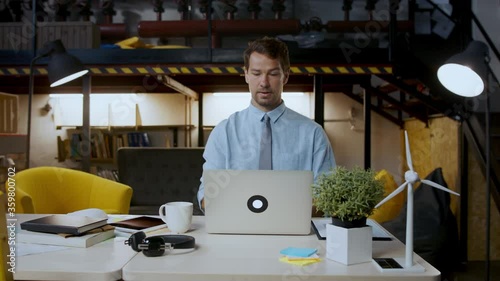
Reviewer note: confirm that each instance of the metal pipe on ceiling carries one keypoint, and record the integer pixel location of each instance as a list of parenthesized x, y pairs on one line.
[(196, 28), (363, 26), (278, 8), (230, 9), (108, 29), (158, 8), (108, 11), (254, 8), (112, 31), (347, 7)]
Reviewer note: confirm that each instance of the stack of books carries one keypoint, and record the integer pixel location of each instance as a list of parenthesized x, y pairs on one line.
[(65, 230)]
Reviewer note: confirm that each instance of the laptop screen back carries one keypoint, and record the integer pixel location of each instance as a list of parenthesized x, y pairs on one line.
[(258, 201)]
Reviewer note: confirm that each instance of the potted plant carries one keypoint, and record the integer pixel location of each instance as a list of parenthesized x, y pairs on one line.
[(348, 197)]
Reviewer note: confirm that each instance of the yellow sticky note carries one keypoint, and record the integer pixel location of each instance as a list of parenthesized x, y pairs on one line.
[(300, 262)]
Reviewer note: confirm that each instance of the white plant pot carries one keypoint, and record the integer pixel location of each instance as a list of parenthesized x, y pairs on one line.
[(349, 245)]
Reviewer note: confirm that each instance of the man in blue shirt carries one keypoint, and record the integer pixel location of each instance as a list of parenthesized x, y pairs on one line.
[(298, 143)]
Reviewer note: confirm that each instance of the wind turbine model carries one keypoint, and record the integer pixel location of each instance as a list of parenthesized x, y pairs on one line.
[(411, 177)]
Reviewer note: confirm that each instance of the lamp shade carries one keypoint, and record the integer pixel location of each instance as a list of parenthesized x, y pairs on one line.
[(62, 67), (464, 74)]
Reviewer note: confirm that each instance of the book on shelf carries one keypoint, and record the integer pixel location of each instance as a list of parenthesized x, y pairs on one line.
[(61, 150), (138, 139), (145, 140), (95, 152), (105, 173), (85, 240), (101, 145), (75, 146), (63, 224)]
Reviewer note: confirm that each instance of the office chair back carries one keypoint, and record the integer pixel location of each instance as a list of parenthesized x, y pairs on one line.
[(159, 175)]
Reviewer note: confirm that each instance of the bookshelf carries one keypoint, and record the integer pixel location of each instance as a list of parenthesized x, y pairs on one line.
[(105, 142), (120, 121)]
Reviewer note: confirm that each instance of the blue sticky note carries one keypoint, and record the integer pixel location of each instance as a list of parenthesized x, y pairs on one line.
[(298, 252)]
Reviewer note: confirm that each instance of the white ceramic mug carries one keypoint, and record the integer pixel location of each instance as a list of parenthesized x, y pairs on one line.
[(177, 215)]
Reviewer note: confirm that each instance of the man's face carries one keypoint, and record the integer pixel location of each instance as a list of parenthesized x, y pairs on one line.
[(265, 79)]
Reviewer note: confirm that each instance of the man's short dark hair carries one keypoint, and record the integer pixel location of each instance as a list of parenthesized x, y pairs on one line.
[(270, 47)]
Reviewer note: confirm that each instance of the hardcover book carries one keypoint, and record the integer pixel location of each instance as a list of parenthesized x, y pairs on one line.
[(81, 241), (139, 223), (68, 224)]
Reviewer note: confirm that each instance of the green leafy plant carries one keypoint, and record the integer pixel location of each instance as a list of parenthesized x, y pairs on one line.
[(347, 195)]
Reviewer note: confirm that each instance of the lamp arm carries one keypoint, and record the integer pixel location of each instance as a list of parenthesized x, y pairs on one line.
[(31, 90), (490, 72), (476, 21), (435, 6), (486, 36), (488, 176)]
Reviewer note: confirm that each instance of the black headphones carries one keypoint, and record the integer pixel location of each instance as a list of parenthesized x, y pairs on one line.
[(155, 246)]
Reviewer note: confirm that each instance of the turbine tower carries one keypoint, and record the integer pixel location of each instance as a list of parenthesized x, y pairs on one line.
[(411, 177)]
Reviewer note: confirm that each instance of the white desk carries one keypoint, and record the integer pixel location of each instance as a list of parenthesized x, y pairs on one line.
[(256, 257), (103, 261)]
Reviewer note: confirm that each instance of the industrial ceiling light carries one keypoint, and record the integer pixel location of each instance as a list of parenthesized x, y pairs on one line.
[(62, 68), (464, 74)]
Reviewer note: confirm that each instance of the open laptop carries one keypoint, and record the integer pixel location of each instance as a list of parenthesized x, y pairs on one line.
[(258, 201)]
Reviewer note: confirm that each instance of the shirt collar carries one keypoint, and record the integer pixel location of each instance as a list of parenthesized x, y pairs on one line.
[(274, 114)]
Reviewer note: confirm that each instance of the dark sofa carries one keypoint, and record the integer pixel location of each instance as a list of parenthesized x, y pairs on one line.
[(160, 175)]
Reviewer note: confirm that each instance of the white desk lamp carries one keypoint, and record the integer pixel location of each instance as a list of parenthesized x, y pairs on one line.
[(411, 178)]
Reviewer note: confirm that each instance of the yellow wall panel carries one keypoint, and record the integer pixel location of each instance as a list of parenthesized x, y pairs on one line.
[(435, 145), (476, 246)]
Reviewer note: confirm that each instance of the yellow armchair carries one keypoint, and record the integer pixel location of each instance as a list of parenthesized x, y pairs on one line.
[(5, 273), (54, 190)]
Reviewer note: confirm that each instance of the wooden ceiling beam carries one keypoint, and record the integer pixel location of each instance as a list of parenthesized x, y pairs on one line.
[(175, 85)]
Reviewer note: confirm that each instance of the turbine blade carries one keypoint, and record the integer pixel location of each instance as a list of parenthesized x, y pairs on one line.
[(394, 193), (408, 153), (438, 186)]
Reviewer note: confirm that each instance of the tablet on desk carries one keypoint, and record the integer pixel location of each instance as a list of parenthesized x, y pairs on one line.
[(142, 223)]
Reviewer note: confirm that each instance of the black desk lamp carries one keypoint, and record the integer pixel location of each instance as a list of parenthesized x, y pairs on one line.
[(466, 74), (61, 68)]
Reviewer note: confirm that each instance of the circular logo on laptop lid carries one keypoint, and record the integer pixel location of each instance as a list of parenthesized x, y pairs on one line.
[(257, 203)]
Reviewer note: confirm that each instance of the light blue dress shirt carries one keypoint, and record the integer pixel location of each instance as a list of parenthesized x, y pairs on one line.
[(298, 143)]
